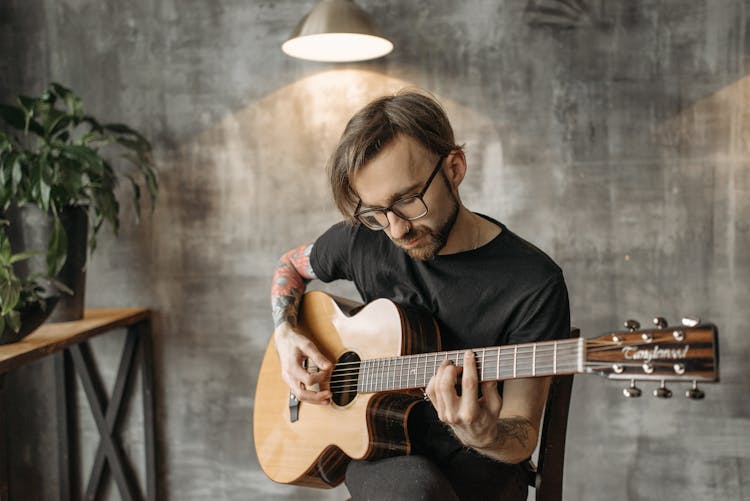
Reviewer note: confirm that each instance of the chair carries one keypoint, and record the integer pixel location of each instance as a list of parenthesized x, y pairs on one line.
[(547, 476)]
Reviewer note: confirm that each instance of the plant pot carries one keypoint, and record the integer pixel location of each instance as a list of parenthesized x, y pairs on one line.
[(32, 316), (30, 230)]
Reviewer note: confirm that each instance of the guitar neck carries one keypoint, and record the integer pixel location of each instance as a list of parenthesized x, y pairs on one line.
[(497, 363)]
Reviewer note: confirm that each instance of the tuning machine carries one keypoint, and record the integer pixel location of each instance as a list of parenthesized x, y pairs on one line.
[(690, 321), (632, 325), (660, 322), (662, 391), (695, 393), (632, 391)]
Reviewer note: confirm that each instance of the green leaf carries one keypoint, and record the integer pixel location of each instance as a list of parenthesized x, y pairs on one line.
[(61, 286), (93, 123), (57, 248), (28, 104), (59, 125), (133, 144), (72, 102), (136, 198), (16, 174), (10, 293), (124, 129), (14, 320), (5, 248), (24, 255)]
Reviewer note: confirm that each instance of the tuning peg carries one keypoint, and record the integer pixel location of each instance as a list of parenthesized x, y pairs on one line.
[(695, 393), (690, 321), (662, 391), (660, 322), (632, 325), (632, 391)]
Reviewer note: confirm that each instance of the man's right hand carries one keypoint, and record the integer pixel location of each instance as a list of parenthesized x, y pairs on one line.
[(308, 384)]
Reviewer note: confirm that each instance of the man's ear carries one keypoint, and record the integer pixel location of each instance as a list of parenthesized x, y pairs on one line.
[(455, 168)]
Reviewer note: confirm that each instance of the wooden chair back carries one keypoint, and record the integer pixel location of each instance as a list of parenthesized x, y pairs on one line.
[(547, 476)]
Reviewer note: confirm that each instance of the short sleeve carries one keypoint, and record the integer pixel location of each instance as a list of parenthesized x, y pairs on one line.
[(331, 253), (543, 315)]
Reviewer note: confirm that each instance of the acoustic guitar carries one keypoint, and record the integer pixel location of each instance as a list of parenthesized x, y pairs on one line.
[(385, 353)]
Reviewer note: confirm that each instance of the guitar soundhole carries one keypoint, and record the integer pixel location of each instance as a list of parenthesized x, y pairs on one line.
[(345, 378)]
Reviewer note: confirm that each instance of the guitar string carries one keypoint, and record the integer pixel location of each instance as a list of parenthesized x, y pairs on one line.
[(393, 374), (388, 383), (390, 370), (523, 350), (389, 376)]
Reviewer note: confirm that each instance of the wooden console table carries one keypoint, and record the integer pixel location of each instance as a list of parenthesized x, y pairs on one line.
[(67, 341)]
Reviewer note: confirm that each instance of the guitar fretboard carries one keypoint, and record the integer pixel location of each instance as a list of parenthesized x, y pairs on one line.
[(493, 364)]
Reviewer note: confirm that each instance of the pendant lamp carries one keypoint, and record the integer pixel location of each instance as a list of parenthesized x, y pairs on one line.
[(336, 31)]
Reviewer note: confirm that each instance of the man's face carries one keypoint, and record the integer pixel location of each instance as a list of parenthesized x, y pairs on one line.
[(399, 170)]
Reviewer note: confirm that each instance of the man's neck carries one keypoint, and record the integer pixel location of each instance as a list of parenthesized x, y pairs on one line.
[(469, 232)]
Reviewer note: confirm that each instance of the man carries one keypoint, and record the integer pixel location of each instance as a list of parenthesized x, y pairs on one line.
[(395, 176)]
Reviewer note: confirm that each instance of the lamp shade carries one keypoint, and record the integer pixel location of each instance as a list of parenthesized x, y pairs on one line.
[(336, 31)]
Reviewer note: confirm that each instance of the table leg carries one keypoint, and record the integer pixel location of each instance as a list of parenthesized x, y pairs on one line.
[(147, 373), (4, 474), (65, 455)]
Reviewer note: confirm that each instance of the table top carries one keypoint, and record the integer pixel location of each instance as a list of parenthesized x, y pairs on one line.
[(53, 337)]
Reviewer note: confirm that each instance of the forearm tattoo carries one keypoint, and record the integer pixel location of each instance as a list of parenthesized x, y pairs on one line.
[(512, 430), (288, 285)]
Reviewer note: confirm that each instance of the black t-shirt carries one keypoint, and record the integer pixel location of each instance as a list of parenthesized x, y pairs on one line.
[(504, 292)]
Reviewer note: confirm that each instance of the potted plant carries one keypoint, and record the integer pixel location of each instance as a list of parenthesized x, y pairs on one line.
[(23, 303), (59, 169)]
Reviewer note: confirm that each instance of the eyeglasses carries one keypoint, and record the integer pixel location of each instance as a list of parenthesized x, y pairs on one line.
[(407, 208)]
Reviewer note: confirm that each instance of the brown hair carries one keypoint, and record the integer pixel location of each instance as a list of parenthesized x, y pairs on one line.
[(410, 112)]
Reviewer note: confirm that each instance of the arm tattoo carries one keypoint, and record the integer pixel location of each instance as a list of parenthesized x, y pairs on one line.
[(288, 285), (512, 430)]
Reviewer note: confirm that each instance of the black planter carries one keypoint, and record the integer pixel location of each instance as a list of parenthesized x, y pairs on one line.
[(30, 229), (32, 316)]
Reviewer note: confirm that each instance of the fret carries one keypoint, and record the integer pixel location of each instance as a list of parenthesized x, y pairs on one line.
[(515, 359), (497, 364), (366, 376), (394, 368), (405, 364), (373, 374), (361, 377), (533, 360), (554, 360), (484, 352), (408, 372)]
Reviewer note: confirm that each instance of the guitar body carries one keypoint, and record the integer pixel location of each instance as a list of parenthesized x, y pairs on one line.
[(315, 448)]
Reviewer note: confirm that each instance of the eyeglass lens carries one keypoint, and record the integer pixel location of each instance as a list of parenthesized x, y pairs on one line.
[(408, 208)]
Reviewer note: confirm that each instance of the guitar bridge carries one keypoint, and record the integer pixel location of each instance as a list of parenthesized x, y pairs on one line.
[(293, 407)]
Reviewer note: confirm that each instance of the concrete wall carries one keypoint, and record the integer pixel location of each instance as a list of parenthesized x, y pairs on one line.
[(612, 134)]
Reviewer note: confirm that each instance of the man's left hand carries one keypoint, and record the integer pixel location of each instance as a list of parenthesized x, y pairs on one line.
[(473, 419)]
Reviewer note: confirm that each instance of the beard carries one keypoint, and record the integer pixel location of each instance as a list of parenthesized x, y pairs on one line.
[(431, 240)]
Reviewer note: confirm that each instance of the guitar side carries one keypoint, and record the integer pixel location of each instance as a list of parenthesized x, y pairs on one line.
[(315, 449)]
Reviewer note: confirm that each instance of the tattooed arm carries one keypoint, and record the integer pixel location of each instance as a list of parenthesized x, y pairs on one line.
[(289, 280), (505, 429)]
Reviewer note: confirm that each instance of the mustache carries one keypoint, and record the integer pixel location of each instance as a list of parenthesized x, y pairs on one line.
[(411, 235)]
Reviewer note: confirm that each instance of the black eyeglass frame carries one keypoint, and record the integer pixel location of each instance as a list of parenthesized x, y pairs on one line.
[(392, 208)]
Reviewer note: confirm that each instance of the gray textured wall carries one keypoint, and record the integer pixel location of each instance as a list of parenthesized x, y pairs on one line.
[(613, 134)]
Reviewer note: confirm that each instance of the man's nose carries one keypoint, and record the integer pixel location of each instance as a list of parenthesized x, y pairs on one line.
[(399, 227)]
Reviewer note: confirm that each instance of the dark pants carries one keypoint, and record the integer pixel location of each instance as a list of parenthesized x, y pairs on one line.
[(466, 475)]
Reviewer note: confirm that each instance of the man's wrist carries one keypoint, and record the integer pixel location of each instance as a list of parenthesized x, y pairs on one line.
[(485, 444)]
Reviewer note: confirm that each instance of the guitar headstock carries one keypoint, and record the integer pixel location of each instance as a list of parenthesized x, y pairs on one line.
[(688, 352)]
